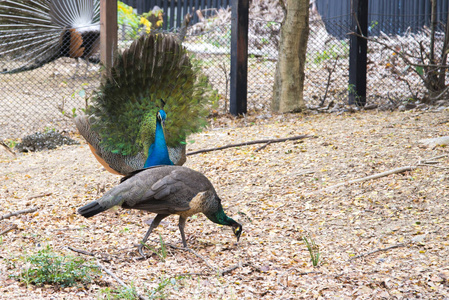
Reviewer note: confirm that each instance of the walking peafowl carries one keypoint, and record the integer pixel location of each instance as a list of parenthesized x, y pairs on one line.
[(165, 190), (36, 32), (124, 124)]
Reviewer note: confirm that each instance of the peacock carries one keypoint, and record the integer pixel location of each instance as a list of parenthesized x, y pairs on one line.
[(153, 77), (165, 190), (36, 32)]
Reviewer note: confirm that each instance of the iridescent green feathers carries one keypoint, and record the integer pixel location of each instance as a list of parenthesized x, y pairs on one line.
[(154, 67)]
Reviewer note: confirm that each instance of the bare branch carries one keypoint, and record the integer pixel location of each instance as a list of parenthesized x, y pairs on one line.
[(81, 251), (293, 138), (214, 269), (329, 80), (378, 250), (40, 196), (25, 211), (383, 174), (8, 229), (9, 150), (402, 55), (107, 271)]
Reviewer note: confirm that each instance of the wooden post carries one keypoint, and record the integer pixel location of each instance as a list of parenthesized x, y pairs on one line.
[(357, 53), (108, 32), (239, 57)]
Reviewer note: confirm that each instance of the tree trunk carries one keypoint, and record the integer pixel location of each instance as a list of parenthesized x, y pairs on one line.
[(289, 78)]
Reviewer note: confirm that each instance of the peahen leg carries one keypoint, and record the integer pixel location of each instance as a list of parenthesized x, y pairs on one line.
[(181, 225), (153, 225)]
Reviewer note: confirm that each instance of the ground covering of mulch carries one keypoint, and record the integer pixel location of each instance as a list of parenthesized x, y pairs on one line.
[(381, 238)]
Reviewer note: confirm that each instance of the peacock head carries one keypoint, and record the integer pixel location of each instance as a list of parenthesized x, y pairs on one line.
[(161, 116)]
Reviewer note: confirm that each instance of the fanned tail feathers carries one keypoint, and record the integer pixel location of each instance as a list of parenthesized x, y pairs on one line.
[(34, 33), (154, 67)]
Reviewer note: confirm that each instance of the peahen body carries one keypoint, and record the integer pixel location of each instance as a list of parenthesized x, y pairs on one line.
[(165, 190), (120, 125), (36, 32)]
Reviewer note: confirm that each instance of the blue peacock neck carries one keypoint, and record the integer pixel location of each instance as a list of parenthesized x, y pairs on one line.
[(158, 151)]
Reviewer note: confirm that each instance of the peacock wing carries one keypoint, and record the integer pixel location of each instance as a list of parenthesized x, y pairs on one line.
[(168, 189), (154, 67), (113, 162)]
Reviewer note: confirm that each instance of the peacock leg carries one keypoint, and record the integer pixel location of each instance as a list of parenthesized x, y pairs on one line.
[(153, 225), (181, 225)]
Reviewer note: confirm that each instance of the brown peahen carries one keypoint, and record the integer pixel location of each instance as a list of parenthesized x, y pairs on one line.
[(153, 76), (165, 190), (36, 32)]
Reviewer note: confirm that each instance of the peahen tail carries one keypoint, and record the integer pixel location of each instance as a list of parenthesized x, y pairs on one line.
[(120, 124), (91, 209), (36, 32), (113, 197)]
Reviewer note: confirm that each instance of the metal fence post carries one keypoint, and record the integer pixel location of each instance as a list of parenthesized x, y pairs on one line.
[(357, 52), (239, 57)]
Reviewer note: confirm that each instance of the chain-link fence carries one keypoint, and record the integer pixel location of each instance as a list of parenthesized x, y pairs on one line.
[(46, 97)]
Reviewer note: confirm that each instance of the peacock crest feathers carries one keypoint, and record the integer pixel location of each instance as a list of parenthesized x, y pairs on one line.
[(154, 67)]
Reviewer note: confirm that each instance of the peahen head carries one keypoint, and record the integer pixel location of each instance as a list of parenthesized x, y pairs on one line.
[(221, 218)]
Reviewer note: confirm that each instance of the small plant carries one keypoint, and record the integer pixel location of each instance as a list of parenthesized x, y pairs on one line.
[(160, 291), (49, 267), (314, 250), (81, 93), (162, 253), (129, 293), (11, 143)]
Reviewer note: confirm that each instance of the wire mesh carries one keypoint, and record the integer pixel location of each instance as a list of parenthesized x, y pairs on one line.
[(47, 97)]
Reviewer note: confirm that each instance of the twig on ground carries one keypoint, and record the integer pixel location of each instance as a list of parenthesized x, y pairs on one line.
[(106, 270), (262, 147), (28, 210), (214, 269), (9, 150), (230, 269), (293, 138), (377, 250), (40, 196), (110, 273), (8, 229), (383, 174), (427, 162), (81, 251)]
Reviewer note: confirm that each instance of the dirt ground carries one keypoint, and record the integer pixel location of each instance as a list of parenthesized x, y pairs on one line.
[(383, 238)]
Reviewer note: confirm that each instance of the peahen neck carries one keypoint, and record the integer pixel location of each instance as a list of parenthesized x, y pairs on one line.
[(158, 151), (220, 217)]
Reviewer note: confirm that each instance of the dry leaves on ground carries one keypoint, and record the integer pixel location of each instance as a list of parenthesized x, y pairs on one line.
[(381, 238)]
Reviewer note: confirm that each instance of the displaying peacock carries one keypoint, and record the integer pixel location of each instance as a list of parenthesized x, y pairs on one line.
[(36, 32), (121, 124), (165, 190)]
